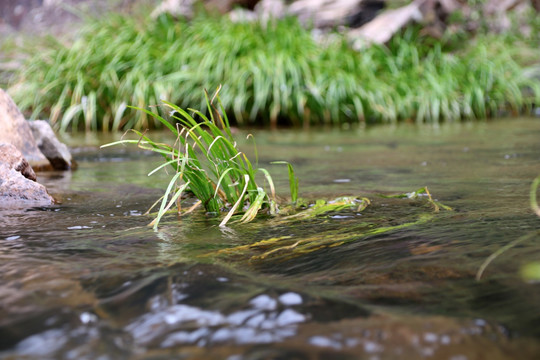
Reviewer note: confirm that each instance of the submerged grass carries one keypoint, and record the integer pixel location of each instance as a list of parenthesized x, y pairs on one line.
[(270, 73), (208, 163), (289, 247), (531, 270)]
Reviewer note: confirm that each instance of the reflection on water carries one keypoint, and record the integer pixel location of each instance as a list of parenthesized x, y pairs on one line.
[(88, 279)]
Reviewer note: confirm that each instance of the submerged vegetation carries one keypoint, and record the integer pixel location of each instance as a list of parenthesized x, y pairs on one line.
[(208, 164), (529, 271), (271, 73), (288, 247)]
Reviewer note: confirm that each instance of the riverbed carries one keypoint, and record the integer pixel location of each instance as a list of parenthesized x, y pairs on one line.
[(88, 278)]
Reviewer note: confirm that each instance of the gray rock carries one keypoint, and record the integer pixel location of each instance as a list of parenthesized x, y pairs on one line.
[(242, 16), (224, 6), (17, 185), (270, 9), (384, 26), (185, 8), (325, 13), (264, 11), (16, 131), (178, 8), (56, 152), (431, 14)]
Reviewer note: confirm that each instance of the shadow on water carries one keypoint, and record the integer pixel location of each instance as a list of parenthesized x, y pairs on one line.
[(88, 278)]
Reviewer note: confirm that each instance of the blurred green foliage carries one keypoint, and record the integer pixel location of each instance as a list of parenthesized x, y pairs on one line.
[(274, 73)]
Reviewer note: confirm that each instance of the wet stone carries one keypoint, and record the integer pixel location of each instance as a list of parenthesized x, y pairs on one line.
[(56, 152), (18, 187), (290, 299), (12, 157), (17, 191), (16, 131), (264, 302), (288, 317)]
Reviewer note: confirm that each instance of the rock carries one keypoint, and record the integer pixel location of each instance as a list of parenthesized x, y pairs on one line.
[(263, 12), (402, 336), (177, 8), (328, 14), (13, 11), (369, 9), (56, 152), (384, 26), (498, 12), (16, 131), (18, 187), (270, 9), (433, 16), (224, 6), (184, 8), (242, 16), (10, 156), (431, 13)]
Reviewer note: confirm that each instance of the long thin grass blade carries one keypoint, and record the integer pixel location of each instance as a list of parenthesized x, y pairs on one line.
[(270, 182), (240, 199), (534, 203), (164, 205), (254, 208), (293, 180)]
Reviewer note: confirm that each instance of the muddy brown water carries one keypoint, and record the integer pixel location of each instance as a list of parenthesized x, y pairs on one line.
[(88, 279)]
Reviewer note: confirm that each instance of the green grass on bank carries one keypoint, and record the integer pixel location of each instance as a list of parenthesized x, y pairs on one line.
[(269, 74)]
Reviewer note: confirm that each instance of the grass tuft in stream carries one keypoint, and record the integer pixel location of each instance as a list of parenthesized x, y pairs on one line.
[(208, 163)]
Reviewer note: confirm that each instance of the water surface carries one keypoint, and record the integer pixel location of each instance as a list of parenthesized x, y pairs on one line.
[(88, 278)]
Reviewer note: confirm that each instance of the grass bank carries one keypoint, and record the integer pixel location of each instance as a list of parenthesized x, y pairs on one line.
[(270, 75)]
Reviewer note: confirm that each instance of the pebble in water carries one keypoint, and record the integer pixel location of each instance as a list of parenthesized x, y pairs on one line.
[(263, 302), (258, 325), (289, 317), (290, 299)]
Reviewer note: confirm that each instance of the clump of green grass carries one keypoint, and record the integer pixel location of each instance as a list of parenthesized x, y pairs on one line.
[(270, 73), (207, 162)]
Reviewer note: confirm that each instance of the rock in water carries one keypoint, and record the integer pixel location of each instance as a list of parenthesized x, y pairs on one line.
[(18, 187), (55, 151), (10, 156), (16, 131)]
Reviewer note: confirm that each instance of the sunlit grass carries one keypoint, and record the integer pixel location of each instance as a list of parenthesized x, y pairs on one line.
[(269, 74), (207, 162)]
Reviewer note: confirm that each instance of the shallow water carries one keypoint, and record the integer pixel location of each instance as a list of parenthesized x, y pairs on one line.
[(88, 278)]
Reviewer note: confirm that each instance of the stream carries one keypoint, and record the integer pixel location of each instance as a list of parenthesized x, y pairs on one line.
[(89, 279)]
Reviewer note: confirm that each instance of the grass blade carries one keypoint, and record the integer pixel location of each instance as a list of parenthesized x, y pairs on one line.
[(235, 206), (293, 180)]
